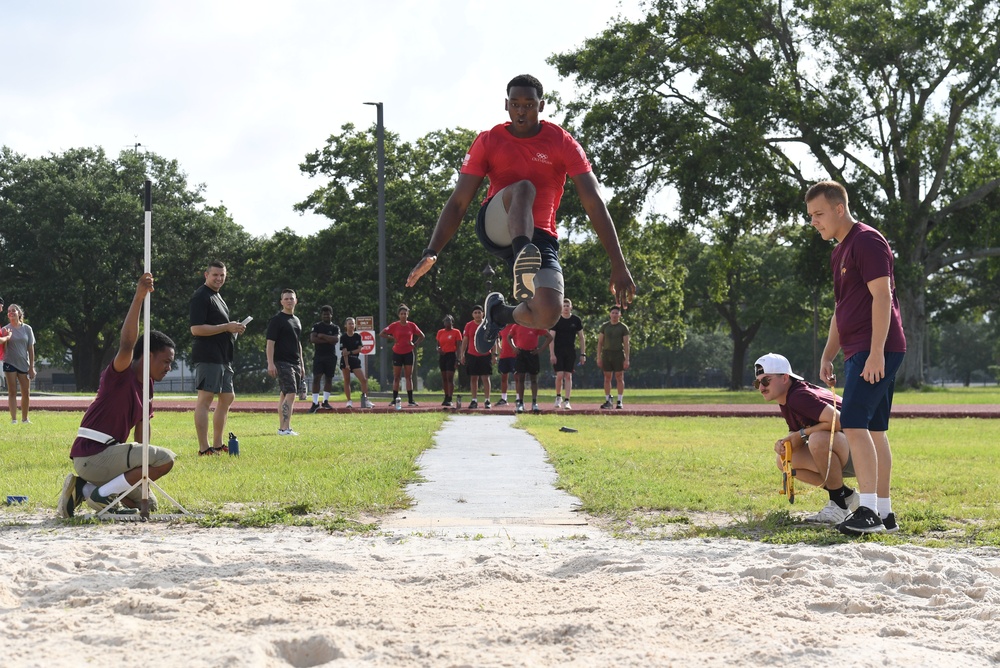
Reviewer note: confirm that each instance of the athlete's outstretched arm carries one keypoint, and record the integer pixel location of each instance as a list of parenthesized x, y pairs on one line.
[(622, 286), (448, 222)]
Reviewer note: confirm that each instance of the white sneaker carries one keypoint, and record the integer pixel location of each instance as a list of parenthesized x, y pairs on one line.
[(287, 432), (852, 501), (558, 402), (566, 405), (367, 404), (350, 404), (830, 514)]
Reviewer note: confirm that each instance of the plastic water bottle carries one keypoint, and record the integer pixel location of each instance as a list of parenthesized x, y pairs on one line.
[(458, 401), (234, 445)]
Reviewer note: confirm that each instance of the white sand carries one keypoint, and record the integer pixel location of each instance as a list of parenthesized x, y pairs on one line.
[(176, 595)]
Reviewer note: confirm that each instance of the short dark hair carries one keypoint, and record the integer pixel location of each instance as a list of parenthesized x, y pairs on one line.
[(218, 264), (831, 190), (526, 81), (614, 308), (326, 309), (285, 291), (403, 307), (157, 341)]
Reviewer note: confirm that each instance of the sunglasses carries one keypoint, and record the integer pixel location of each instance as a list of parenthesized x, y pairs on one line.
[(765, 381)]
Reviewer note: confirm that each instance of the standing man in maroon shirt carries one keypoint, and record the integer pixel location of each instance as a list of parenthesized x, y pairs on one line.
[(867, 326)]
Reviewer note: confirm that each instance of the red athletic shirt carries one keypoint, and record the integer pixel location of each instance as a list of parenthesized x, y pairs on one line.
[(448, 340), (526, 338), (470, 336), (116, 410), (506, 350), (863, 256), (403, 335), (545, 159)]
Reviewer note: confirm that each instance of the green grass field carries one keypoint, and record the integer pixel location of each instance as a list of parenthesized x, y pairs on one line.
[(639, 474)]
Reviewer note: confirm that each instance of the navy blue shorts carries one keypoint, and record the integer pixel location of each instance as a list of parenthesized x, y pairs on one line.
[(867, 406), (506, 364)]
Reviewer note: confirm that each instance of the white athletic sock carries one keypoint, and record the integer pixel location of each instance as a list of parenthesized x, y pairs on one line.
[(116, 486), (619, 398), (869, 501), (315, 397), (326, 396), (503, 395), (88, 489), (884, 507)]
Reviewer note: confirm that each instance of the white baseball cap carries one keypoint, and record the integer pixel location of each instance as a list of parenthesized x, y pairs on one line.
[(773, 363)]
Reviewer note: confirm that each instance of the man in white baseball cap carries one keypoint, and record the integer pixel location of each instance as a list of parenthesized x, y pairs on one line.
[(808, 413)]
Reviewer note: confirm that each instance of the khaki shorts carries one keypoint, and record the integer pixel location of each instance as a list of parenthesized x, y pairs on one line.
[(115, 460)]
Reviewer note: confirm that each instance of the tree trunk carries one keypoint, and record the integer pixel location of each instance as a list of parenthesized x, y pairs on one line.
[(741, 343), (913, 308)]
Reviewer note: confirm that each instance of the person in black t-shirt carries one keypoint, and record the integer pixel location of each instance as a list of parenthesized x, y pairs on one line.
[(325, 335), (350, 362), (566, 333), (284, 358), (212, 356)]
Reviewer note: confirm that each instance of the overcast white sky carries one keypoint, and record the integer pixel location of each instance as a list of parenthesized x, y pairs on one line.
[(239, 91)]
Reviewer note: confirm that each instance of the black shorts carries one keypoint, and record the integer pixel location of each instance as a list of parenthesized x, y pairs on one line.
[(352, 362), (479, 365), (547, 244), (527, 362), (7, 368), (447, 361), (506, 365), (324, 366), (402, 359), (565, 359)]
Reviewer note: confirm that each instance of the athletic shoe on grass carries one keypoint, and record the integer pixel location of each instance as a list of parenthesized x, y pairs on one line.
[(861, 521), (287, 432), (71, 496), (889, 522), (831, 513)]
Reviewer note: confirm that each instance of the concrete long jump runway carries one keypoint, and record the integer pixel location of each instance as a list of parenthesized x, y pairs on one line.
[(483, 476)]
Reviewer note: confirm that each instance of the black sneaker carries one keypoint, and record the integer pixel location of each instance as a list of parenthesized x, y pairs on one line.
[(519, 407), (326, 405), (488, 331), (606, 405), (474, 404), (487, 405), (314, 408), (889, 522), (861, 521), (502, 402), (526, 265)]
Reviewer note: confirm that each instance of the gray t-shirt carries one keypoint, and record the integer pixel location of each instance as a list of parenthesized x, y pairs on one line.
[(16, 353)]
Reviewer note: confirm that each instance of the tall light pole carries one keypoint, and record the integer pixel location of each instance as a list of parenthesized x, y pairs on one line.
[(383, 360)]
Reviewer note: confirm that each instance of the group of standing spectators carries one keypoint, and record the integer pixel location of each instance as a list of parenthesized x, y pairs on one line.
[(518, 350)]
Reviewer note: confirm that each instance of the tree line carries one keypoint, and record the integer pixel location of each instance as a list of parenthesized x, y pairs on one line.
[(732, 106)]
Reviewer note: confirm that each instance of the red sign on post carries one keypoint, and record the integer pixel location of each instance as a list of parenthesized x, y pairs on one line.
[(367, 342)]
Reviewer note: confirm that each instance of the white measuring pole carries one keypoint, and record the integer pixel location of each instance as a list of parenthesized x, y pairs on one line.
[(147, 264)]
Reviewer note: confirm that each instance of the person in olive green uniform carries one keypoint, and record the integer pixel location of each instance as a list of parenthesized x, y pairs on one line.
[(613, 355)]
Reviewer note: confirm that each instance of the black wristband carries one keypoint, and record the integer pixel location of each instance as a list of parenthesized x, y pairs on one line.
[(429, 251)]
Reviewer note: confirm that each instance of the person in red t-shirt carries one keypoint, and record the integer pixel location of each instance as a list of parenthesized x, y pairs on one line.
[(809, 413), (867, 326), (406, 336), (479, 367), (506, 363), (526, 161), (528, 343), (448, 340)]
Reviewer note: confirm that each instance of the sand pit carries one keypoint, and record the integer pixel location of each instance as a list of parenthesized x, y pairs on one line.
[(492, 567), (171, 595)]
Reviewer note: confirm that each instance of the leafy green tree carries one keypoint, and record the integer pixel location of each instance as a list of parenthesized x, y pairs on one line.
[(72, 236), (738, 105)]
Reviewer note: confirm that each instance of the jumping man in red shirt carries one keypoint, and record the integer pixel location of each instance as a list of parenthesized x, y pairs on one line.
[(527, 162)]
